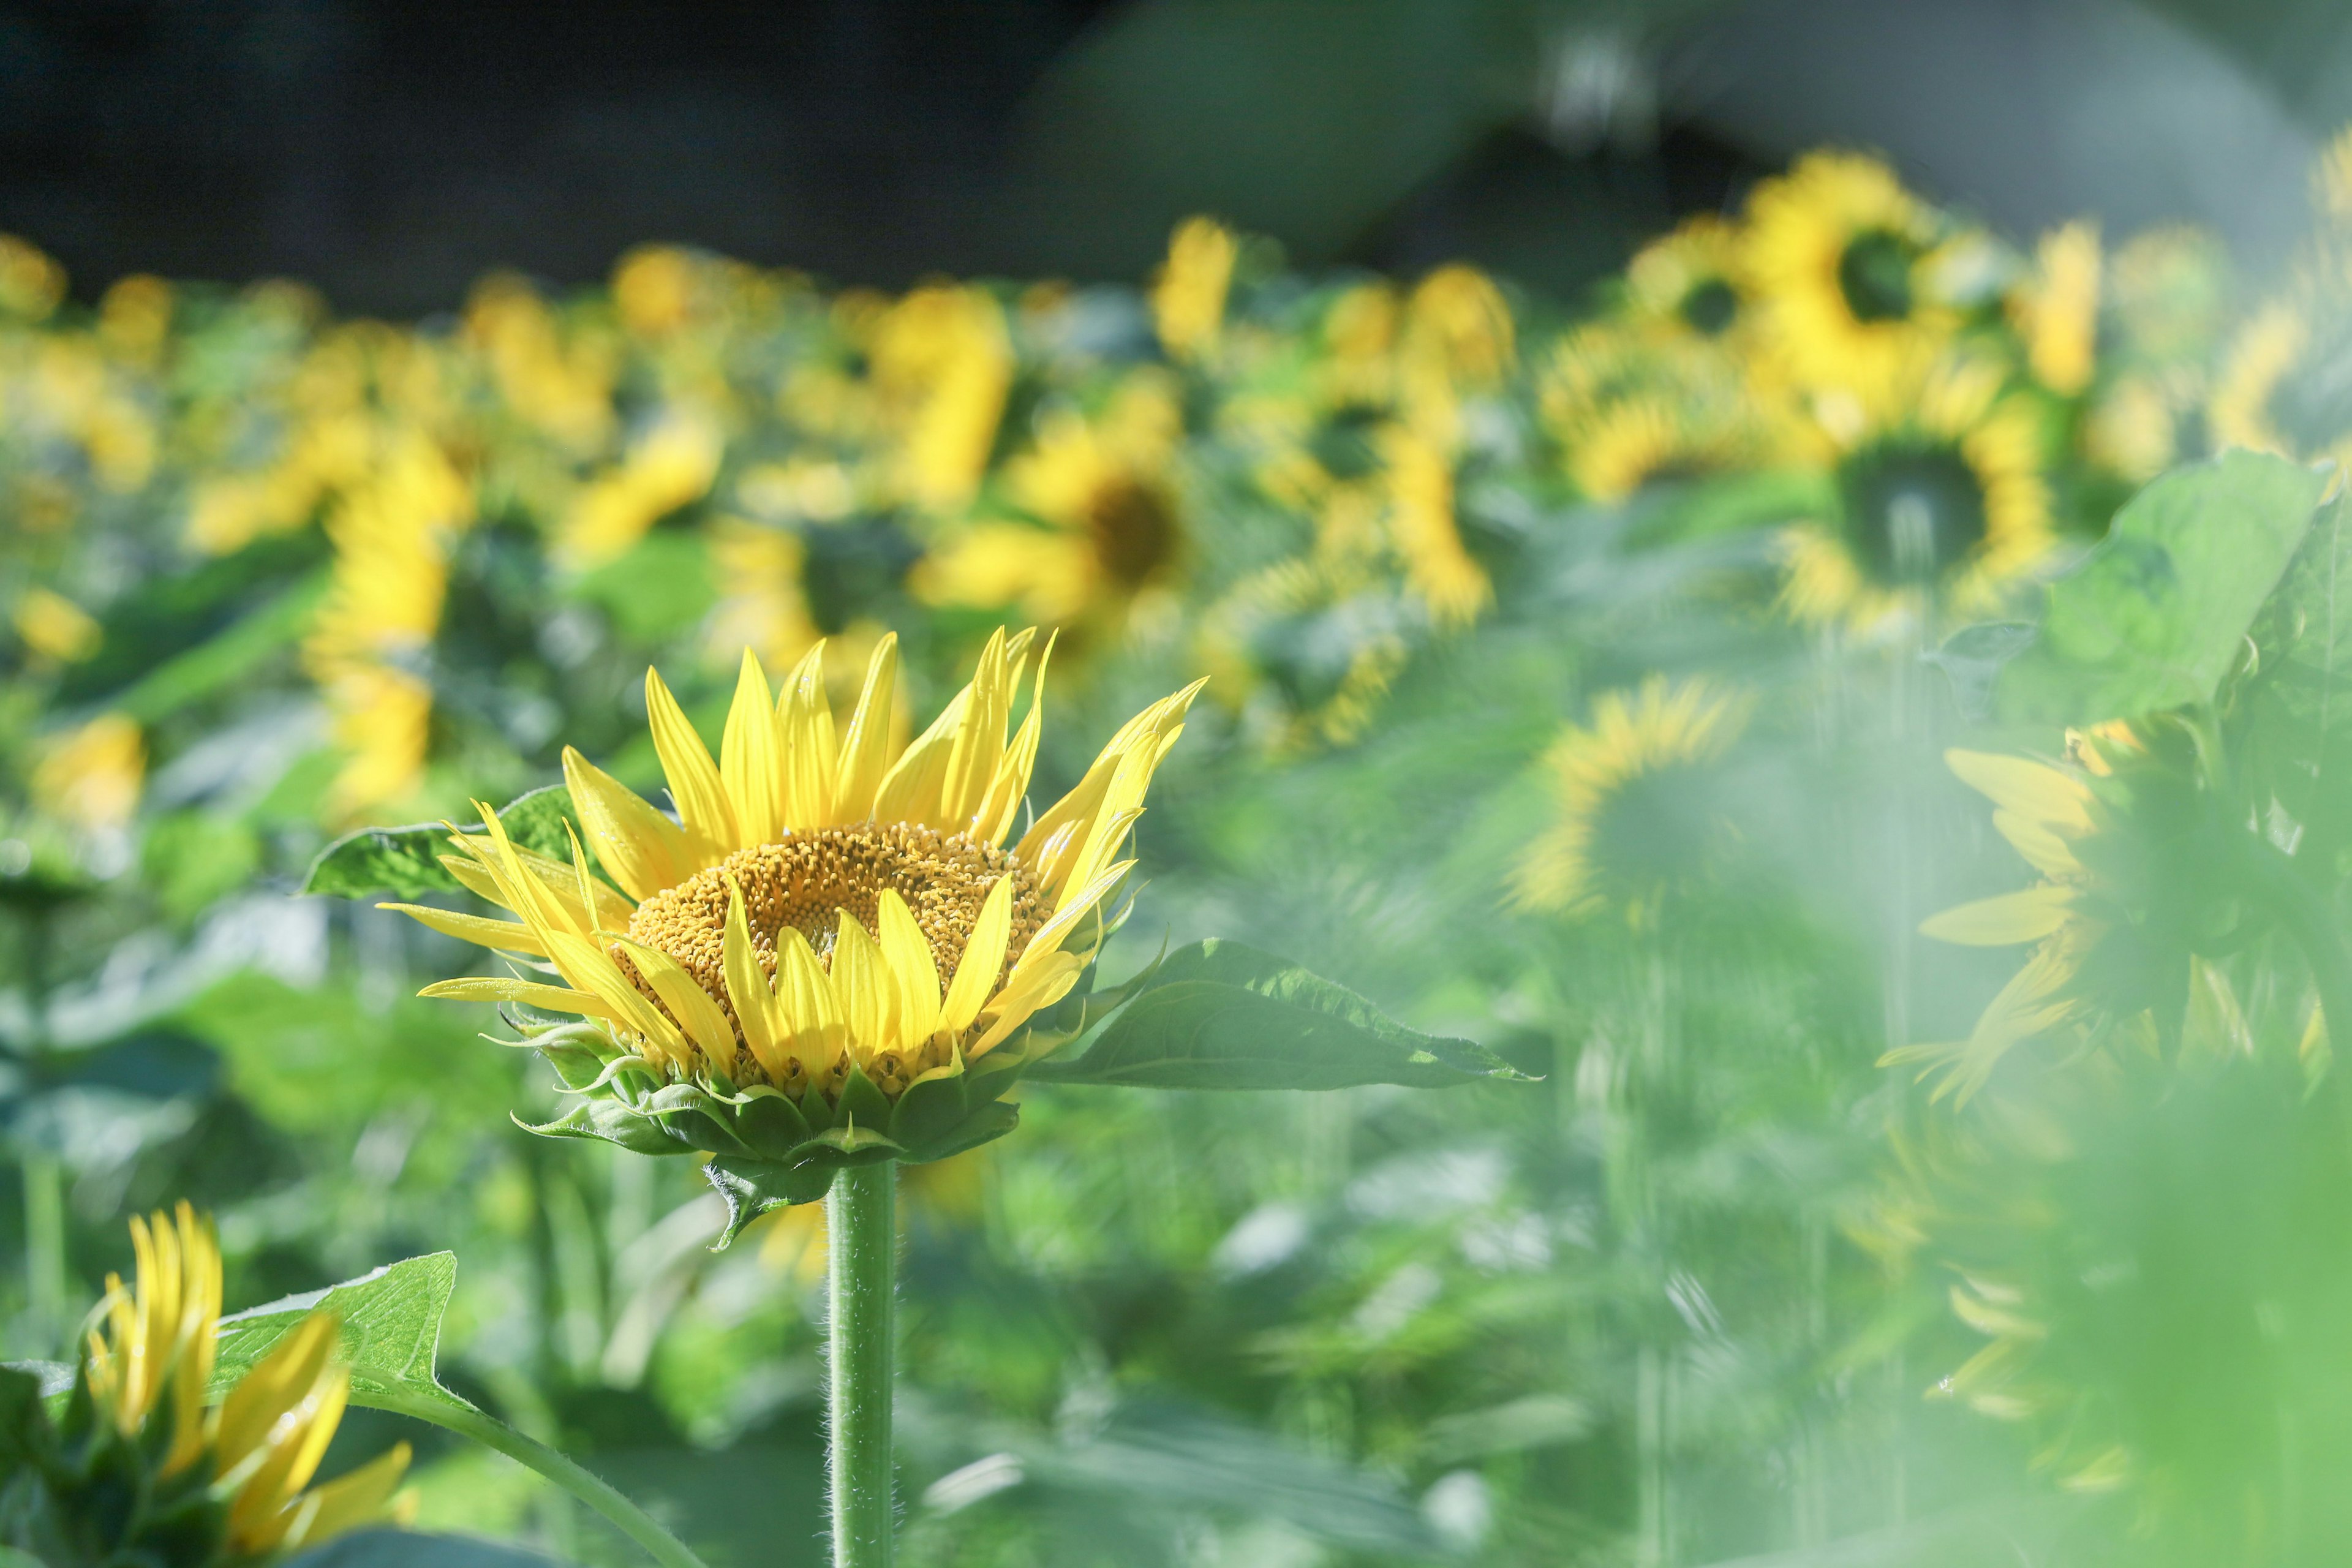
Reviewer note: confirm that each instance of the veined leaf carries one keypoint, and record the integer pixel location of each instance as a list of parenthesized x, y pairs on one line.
[(1221, 1015), (404, 862), (391, 1332), (2156, 615)]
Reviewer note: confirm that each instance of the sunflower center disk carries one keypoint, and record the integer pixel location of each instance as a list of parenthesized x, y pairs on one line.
[(807, 881)]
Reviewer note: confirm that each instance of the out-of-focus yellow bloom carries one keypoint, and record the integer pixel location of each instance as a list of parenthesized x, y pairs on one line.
[(1457, 339), (2134, 425), (2058, 310), (2171, 291), (1632, 823), (671, 466), (32, 284), (1631, 407), (1188, 297), (370, 649), (942, 365), (2280, 389), (1942, 500), (75, 392), (653, 289), (1840, 257), (150, 1355), (55, 626), (1305, 648), (563, 388), (1423, 527), (1692, 281), (93, 775), (760, 603), (1098, 523), (820, 903), (135, 318)]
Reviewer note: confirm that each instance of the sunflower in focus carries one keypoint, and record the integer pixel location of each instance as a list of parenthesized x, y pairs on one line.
[(2119, 833), (1096, 524), (832, 929), (1637, 819), (1942, 500), (1841, 261), (219, 1487)]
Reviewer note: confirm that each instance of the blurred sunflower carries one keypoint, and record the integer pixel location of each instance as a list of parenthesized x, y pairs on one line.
[(941, 362), (1942, 500), (1638, 819), (1626, 410), (1188, 295), (2286, 385), (1841, 261), (671, 466), (1691, 282), (92, 777), (54, 628), (820, 910), (2056, 311), (2117, 833), (1096, 525), (560, 385), (140, 1471), (1306, 648)]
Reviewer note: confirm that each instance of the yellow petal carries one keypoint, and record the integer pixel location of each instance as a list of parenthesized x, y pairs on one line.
[(994, 818), (980, 740), (1073, 817), (912, 789), (1044, 984), (2034, 791), (865, 747), (805, 718), (765, 1031), (913, 974), (642, 849), (861, 982), (272, 1388), (2025, 916), (2043, 850), (752, 757), (982, 960), (506, 936), (530, 994), (585, 965), (687, 1002), (351, 1499), (695, 786), (1055, 932), (811, 1003)]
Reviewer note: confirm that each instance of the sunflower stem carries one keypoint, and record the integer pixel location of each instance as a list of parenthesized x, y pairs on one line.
[(492, 1433), (862, 1250)]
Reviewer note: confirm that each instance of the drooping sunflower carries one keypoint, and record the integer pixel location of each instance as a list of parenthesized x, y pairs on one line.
[(1942, 500), (828, 955), (136, 1468), (1842, 260), (2120, 838), (1636, 818)]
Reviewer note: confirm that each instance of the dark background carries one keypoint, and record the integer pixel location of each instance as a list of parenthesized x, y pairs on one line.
[(390, 153)]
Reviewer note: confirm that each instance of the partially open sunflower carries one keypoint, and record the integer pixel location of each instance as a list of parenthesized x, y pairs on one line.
[(829, 956)]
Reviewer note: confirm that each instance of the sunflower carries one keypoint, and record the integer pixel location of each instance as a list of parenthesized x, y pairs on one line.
[(1188, 297), (671, 466), (139, 1466), (828, 934), (1635, 821), (1102, 490), (1692, 281), (1942, 499), (2285, 385), (1305, 648), (54, 628), (943, 368), (2057, 311), (1627, 409), (2124, 903), (1840, 259)]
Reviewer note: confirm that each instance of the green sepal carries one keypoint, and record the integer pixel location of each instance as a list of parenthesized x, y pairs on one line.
[(985, 1125), (929, 1110), (608, 1122), (752, 1187), (861, 1101), (769, 1123)]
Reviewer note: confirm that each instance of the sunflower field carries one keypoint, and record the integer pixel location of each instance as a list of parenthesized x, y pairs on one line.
[(1816, 755)]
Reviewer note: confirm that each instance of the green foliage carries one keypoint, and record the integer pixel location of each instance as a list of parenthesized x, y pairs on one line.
[(405, 862), (390, 1321)]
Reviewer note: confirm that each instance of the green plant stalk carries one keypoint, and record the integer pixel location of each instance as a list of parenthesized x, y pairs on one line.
[(492, 1433), (862, 1249)]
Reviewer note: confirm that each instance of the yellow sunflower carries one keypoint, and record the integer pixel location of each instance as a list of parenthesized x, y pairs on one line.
[(232, 1477), (1840, 259), (1692, 281), (1188, 297), (2057, 311), (1628, 408), (831, 931), (1305, 649), (2283, 386), (1942, 500), (1635, 821)]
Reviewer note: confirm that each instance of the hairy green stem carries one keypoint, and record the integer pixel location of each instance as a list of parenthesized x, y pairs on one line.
[(492, 1433), (862, 1245)]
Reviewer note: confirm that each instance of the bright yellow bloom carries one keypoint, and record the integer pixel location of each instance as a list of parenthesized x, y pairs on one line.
[(1188, 297), (942, 369), (2058, 310), (93, 776), (563, 388), (654, 288), (56, 628), (671, 466), (1943, 500), (1693, 280), (2279, 388), (1840, 258), (819, 901), (151, 1353), (1630, 829)]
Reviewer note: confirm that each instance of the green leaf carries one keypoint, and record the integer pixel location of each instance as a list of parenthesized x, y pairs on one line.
[(404, 1549), (391, 1332), (405, 862), (1220, 1015), (2157, 614)]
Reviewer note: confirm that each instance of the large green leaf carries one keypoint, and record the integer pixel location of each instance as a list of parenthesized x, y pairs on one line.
[(2157, 614), (1221, 1015), (404, 862), (391, 1332)]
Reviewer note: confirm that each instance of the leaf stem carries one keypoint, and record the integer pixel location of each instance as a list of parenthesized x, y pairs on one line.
[(492, 1433), (862, 1243)]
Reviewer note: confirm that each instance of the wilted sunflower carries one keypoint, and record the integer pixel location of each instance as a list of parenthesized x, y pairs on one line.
[(1942, 500), (2120, 837), (1841, 257), (802, 966), (137, 1469), (1637, 819)]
